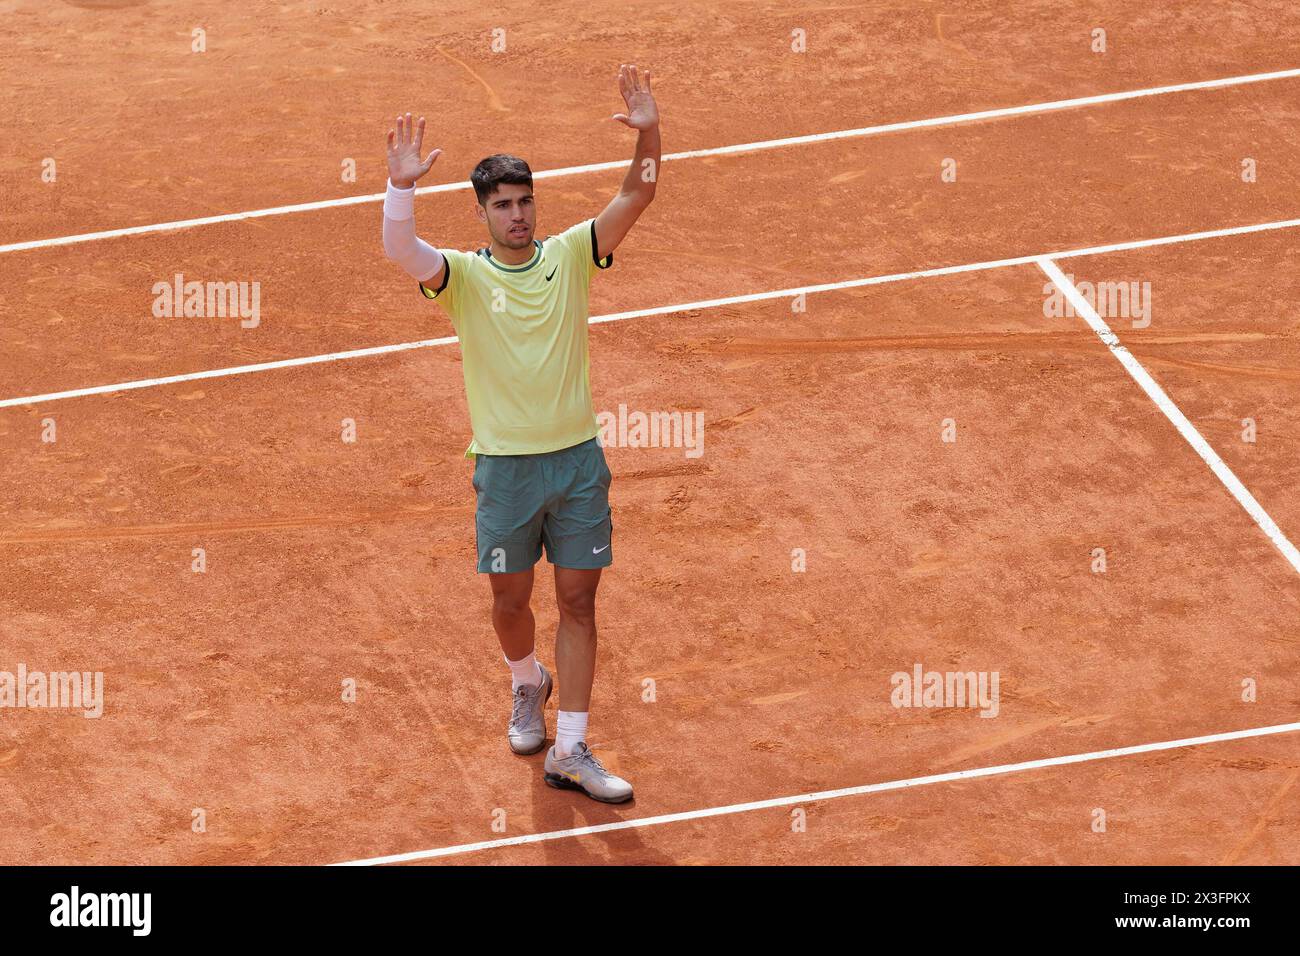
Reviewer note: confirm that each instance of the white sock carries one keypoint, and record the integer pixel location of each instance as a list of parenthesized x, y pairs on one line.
[(570, 730), (524, 672)]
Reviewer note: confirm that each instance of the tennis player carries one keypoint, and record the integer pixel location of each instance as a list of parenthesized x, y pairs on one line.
[(519, 307)]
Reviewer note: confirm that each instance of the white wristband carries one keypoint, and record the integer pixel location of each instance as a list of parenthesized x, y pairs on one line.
[(399, 204)]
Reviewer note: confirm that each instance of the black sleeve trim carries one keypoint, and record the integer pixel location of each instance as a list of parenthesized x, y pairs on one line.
[(446, 277), (595, 253)]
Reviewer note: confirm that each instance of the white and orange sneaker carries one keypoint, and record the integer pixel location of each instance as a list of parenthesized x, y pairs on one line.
[(582, 771), (527, 729)]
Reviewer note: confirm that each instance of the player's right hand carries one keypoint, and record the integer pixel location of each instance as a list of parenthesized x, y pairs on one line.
[(404, 143)]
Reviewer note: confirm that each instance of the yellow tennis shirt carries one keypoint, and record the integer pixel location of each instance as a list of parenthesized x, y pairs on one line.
[(523, 342)]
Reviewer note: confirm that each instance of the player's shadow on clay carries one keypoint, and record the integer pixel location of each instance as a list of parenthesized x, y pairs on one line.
[(567, 809)]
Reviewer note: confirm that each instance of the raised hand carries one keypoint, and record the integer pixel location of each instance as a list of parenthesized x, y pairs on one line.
[(404, 144), (642, 113)]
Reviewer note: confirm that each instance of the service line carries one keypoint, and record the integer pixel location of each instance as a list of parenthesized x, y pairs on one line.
[(659, 310), (953, 120), (1172, 412)]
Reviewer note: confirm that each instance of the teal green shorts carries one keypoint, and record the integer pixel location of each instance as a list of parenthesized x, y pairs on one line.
[(559, 499)]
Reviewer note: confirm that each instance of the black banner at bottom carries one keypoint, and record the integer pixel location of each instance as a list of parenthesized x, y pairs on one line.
[(334, 905)]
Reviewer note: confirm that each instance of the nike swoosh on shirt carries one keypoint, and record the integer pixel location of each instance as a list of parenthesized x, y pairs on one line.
[(548, 278), (598, 550)]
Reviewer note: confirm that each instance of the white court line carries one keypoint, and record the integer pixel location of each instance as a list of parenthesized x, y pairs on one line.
[(823, 795), (222, 372), (658, 310), (952, 120), (1166, 405)]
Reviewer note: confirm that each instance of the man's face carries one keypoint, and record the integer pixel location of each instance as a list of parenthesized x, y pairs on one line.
[(510, 216)]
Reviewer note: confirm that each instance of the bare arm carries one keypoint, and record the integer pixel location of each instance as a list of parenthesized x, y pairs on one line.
[(638, 187), (418, 258)]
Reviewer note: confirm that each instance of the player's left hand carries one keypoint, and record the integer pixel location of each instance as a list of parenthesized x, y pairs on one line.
[(642, 113)]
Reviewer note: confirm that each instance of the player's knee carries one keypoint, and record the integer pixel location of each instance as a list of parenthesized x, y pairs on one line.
[(578, 606), (510, 604)]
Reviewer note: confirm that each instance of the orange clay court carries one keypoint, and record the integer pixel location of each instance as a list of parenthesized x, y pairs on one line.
[(910, 457)]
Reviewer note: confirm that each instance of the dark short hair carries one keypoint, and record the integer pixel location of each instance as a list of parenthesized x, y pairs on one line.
[(497, 169)]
